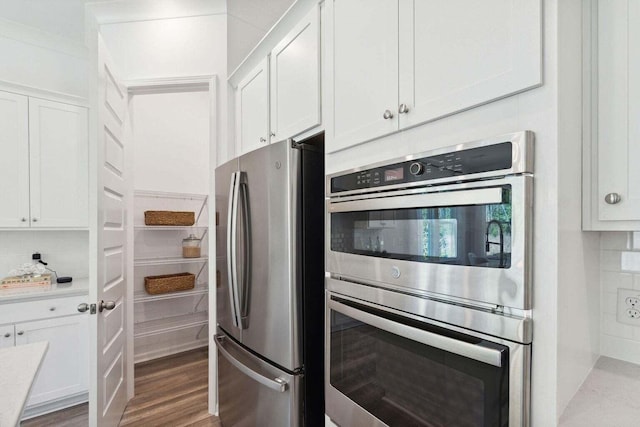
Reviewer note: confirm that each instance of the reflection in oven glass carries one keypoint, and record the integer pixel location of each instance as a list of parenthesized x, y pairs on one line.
[(476, 235), (405, 383)]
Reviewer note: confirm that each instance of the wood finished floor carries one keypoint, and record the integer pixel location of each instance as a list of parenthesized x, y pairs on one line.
[(170, 392)]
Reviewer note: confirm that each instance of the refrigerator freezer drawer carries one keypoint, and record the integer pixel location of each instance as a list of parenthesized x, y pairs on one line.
[(252, 392)]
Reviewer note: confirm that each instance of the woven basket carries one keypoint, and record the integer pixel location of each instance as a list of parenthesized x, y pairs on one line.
[(169, 283), (169, 218)]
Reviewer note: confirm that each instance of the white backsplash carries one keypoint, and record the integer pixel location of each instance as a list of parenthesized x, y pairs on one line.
[(67, 252), (619, 269)]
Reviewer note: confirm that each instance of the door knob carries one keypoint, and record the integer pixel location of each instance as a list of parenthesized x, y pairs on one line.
[(109, 305), (387, 114), (612, 198), (404, 108), (83, 307)]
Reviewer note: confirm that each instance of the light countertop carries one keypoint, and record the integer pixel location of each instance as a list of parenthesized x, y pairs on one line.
[(19, 366), (608, 397), (76, 287)]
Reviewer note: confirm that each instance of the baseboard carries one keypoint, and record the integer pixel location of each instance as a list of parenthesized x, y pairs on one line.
[(150, 355), (620, 348), (54, 405)]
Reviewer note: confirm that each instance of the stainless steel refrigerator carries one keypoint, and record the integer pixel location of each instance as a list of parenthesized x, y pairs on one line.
[(270, 290)]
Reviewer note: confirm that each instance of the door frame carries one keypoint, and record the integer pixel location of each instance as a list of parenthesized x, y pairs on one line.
[(205, 83)]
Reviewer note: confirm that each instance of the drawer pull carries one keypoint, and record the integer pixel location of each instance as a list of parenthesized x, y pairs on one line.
[(7, 335), (52, 309), (21, 333)]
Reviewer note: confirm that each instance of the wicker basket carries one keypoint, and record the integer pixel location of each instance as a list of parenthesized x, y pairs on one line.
[(169, 283), (169, 218)]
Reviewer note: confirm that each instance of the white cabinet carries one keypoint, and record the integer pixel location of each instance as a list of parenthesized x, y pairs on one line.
[(401, 63), (65, 369), (14, 160), (63, 377), (252, 109), (295, 80), (280, 98), (611, 177), (58, 153), (44, 155)]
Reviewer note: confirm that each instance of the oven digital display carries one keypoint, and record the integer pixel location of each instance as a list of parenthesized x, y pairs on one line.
[(394, 174)]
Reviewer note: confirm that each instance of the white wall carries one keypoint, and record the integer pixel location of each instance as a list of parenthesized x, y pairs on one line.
[(578, 287), (171, 142), (179, 47), (40, 60), (67, 252), (620, 269)]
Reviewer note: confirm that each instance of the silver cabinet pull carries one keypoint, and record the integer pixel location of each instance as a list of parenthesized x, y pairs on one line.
[(23, 219), (263, 139), (21, 333), (612, 198), (52, 309), (34, 219), (404, 108), (387, 114), (273, 134), (7, 335)]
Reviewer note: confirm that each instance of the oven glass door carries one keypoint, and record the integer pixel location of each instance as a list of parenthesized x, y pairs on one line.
[(462, 229), (410, 373)]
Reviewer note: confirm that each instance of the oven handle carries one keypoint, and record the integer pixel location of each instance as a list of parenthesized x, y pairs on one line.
[(471, 351), (483, 196)]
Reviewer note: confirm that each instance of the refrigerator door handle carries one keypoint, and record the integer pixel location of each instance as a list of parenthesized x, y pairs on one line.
[(277, 384), (232, 243), (243, 306)]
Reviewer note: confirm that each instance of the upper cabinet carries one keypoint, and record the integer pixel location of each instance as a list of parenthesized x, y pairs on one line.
[(295, 80), (612, 142), (397, 64), (280, 97), (252, 109), (44, 158)]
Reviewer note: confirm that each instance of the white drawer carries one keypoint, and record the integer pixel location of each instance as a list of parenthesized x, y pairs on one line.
[(40, 309)]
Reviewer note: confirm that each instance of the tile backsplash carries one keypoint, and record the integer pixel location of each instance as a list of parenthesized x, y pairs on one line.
[(67, 252), (619, 269)]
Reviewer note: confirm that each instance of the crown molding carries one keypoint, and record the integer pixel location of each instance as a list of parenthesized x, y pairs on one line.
[(36, 37)]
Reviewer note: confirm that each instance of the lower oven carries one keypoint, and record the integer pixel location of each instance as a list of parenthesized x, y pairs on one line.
[(387, 367)]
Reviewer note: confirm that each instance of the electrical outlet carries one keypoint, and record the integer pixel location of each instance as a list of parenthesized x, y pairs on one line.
[(628, 306)]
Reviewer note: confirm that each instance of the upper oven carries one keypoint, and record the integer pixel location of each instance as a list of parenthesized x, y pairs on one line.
[(454, 222)]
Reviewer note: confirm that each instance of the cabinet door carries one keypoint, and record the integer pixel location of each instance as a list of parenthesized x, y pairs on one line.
[(65, 368), (295, 80), (7, 336), (365, 70), (252, 109), (59, 160), (14, 160), (455, 55), (618, 107)]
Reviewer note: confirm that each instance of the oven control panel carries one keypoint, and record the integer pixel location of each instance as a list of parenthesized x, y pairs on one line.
[(448, 165)]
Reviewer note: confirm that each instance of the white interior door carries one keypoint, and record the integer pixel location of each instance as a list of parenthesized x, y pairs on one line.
[(109, 355)]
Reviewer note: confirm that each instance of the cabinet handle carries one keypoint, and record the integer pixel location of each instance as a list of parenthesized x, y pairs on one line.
[(34, 219), (23, 219), (52, 309), (263, 139), (273, 134), (404, 109), (21, 333), (387, 114), (612, 198), (7, 335)]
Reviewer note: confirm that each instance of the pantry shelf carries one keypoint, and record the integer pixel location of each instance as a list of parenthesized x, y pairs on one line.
[(142, 296), (168, 261), (170, 324)]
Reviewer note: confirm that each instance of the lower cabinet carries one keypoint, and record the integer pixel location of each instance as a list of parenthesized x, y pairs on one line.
[(63, 377)]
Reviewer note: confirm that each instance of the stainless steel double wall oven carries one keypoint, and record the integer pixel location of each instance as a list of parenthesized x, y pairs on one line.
[(429, 288)]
